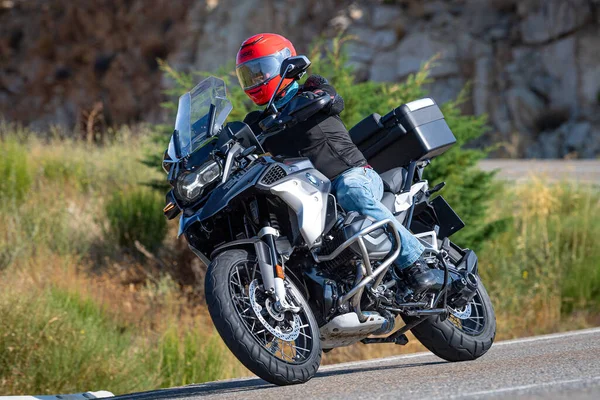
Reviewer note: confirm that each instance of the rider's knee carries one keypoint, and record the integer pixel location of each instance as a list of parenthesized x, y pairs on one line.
[(354, 197)]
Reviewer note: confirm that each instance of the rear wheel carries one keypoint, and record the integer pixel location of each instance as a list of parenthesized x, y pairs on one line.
[(281, 348), (467, 333)]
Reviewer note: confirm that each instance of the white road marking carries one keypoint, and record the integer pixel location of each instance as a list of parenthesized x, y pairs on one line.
[(422, 354), (373, 361), (548, 337), (523, 387), (77, 396)]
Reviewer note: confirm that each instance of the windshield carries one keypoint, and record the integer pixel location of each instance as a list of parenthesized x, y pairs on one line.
[(194, 114)]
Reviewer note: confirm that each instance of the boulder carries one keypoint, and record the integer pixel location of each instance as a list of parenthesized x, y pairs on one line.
[(549, 145), (499, 114), (577, 138), (360, 52), (560, 64), (417, 48), (483, 84), (592, 147), (376, 39), (525, 108), (384, 67), (545, 20), (385, 16), (445, 89), (588, 66)]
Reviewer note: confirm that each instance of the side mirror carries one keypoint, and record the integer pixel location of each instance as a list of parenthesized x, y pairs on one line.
[(294, 67)]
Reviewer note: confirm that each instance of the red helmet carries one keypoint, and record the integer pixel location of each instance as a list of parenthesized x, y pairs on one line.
[(258, 61)]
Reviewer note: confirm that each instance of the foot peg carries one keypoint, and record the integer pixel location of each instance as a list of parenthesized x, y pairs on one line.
[(400, 340)]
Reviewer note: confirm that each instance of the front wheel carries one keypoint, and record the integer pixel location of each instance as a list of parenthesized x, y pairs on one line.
[(281, 348), (467, 333)]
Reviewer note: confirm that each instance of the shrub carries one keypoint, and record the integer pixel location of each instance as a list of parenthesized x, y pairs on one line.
[(68, 171), (187, 357), (469, 188), (136, 215), (56, 341), (15, 179), (546, 264)]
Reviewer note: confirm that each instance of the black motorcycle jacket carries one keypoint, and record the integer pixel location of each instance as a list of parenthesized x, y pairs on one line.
[(322, 138)]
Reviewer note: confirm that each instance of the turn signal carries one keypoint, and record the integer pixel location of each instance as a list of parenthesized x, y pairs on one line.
[(168, 207), (279, 271)]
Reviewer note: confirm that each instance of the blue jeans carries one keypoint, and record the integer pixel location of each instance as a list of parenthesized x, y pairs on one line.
[(360, 189)]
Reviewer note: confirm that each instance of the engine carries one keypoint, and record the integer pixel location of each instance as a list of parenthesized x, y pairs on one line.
[(332, 278), (377, 243)]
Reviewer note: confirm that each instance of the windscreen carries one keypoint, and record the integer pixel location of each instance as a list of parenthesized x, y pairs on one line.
[(206, 102)]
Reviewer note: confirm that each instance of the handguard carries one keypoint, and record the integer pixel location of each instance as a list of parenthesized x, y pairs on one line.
[(299, 109)]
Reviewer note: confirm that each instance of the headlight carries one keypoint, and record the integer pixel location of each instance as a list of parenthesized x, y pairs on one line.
[(190, 184)]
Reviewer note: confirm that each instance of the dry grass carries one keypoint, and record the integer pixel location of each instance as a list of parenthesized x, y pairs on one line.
[(59, 273)]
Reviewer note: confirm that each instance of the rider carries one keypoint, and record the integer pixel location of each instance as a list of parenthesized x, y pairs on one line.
[(322, 138)]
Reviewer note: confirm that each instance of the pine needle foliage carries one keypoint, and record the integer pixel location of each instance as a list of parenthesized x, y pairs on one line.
[(468, 190)]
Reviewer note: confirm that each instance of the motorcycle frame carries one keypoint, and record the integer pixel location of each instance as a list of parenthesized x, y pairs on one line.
[(354, 295)]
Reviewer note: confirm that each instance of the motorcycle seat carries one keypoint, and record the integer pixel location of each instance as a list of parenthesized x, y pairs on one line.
[(388, 201), (394, 179)]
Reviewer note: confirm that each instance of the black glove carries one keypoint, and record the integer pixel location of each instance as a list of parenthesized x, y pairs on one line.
[(314, 81), (313, 95)]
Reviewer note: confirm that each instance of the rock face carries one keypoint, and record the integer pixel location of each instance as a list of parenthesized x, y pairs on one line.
[(534, 65), (60, 59)]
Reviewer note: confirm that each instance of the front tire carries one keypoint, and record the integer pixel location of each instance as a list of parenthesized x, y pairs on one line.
[(230, 276), (460, 339)]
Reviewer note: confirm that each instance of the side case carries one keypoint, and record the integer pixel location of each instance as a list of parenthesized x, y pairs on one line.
[(412, 132)]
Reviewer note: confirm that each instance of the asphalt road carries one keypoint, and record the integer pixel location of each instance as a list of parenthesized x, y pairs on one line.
[(585, 171), (559, 366)]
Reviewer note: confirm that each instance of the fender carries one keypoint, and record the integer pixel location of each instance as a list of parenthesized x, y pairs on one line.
[(469, 262), (263, 255), (237, 244)]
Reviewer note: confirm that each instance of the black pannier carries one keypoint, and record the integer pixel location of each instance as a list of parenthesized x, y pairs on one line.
[(414, 131)]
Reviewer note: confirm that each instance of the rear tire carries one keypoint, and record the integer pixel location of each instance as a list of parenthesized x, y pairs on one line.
[(241, 340), (446, 340)]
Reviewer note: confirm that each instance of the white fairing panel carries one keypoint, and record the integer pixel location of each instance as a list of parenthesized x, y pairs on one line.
[(310, 205), (346, 329), (405, 200)]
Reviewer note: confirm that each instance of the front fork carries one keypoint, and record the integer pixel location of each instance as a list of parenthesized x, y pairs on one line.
[(272, 271)]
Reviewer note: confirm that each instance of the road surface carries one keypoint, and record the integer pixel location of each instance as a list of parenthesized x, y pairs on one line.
[(559, 366), (587, 171)]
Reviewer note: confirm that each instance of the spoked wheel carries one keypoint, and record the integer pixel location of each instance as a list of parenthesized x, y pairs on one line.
[(470, 319), (467, 333), (281, 347), (285, 335)]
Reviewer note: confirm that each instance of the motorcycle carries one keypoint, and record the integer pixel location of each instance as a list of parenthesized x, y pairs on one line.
[(290, 273)]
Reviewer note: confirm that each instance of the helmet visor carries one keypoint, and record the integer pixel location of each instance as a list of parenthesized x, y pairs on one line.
[(258, 71)]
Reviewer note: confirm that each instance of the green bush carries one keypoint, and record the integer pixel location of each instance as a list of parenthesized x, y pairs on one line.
[(136, 215), (469, 189), (56, 342), (15, 179), (69, 171), (187, 358), (548, 253)]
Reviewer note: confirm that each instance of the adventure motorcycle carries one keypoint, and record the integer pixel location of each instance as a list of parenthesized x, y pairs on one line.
[(289, 271)]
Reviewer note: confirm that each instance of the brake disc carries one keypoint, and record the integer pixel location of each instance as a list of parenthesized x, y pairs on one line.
[(287, 336), (461, 314)]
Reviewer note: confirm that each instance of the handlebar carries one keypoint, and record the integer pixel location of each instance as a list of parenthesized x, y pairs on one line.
[(299, 109)]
